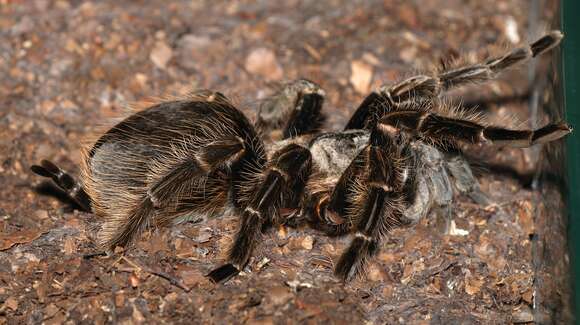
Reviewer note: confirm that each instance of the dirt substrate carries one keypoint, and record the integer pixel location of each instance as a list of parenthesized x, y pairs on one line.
[(65, 65)]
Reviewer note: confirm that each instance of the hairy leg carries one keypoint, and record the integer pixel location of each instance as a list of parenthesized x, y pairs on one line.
[(294, 110), (168, 184), (287, 172), (388, 98), (378, 201), (441, 129), (65, 182), (464, 180)]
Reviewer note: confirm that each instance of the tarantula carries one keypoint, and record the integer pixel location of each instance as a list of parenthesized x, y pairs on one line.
[(200, 156)]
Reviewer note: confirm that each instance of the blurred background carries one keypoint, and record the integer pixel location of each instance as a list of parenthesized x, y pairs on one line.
[(68, 66)]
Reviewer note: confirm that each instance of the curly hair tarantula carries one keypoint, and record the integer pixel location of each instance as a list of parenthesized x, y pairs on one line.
[(200, 156)]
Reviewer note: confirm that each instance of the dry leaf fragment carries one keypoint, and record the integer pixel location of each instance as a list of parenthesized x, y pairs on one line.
[(473, 285), (137, 315), (69, 246), (43, 214), (161, 54), (387, 291), (50, 311), (310, 309), (120, 299), (408, 15), (263, 62), (192, 277), (511, 30), (408, 54), (525, 217), (204, 235), (171, 297), (454, 231), (11, 303), (528, 296), (407, 274), (297, 285), (134, 280), (262, 263), (361, 74), (19, 237), (282, 232), (280, 295), (307, 242), (375, 273)]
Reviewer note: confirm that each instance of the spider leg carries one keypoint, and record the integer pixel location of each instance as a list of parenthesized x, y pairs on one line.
[(294, 110), (437, 128), (209, 157), (465, 182), (439, 182), (321, 218), (379, 203), (331, 214), (369, 111), (430, 187), (388, 98), (289, 164), (64, 181), (306, 118)]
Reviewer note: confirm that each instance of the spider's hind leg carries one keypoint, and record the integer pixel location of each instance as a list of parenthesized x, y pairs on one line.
[(168, 180), (64, 181), (294, 110)]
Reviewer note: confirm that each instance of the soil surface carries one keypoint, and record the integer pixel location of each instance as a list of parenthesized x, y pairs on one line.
[(65, 66)]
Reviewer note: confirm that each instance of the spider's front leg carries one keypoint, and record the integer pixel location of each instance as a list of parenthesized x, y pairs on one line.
[(377, 199), (437, 128), (427, 87), (331, 213), (296, 109), (465, 181), (283, 179)]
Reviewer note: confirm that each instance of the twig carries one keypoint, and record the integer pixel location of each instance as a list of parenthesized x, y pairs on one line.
[(173, 281), (91, 255)]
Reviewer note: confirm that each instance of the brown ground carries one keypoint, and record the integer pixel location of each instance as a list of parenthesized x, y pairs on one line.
[(65, 65)]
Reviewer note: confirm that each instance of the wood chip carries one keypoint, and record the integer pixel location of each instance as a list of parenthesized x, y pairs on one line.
[(263, 62), (473, 285), (361, 75), (11, 303), (161, 54), (307, 242), (280, 295), (19, 237)]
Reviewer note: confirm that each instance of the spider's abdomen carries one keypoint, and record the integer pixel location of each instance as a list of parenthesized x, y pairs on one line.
[(165, 143)]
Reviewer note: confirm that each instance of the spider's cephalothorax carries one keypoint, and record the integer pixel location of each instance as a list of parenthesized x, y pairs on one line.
[(199, 155)]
